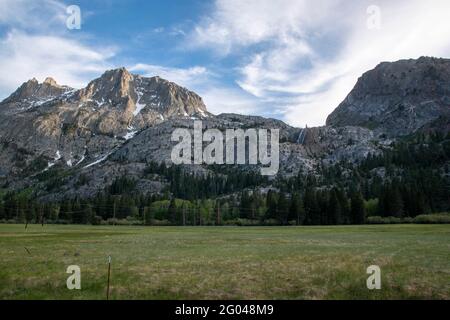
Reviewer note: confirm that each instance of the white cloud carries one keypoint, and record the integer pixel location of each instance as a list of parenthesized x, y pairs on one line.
[(296, 59), (312, 109), (187, 77), (237, 23), (25, 56), (228, 100), (306, 56), (36, 43), (158, 30), (33, 15)]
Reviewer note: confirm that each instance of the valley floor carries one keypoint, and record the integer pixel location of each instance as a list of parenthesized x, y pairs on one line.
[(225, 262)]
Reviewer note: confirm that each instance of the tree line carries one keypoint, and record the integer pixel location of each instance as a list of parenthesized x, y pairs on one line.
[(407, 180), (273, 207)]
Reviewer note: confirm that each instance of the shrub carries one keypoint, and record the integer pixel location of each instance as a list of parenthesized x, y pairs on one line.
[(437, 218), (407, 220), (156, 222), (271, 222), (96, 220), (384, 220), (371, 206), (123, 222), (112, 221), (62, 221), (242, 222)]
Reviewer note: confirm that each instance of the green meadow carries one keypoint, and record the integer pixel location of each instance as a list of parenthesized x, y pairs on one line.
[(225, 262)]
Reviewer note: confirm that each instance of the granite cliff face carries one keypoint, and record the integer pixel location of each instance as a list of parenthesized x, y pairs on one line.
[(397, 98)]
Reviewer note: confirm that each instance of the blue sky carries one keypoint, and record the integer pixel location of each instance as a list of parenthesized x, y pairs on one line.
[(295, 60)]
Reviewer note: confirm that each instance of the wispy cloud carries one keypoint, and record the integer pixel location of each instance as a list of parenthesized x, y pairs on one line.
[(306, 56), (38, 44), (25, 56), (32, 15), (293, 59), (187, 77), (222, 99), (235, 23)]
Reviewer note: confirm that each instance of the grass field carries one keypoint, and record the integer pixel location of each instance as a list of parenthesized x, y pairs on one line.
[(225, 263)]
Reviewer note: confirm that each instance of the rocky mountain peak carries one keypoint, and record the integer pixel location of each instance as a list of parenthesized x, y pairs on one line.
[(51, 82), (168, 97), (113, 85), (143, 98), (117, 79), (397, 98), (33, 91)]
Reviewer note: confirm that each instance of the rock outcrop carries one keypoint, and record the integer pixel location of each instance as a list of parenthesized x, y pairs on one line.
[(397, 98)]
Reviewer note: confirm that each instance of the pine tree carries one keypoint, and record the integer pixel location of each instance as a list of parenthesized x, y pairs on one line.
[(272, 204), (334, 209), (358, 213), (282, 209), (312, 209), (88, 214), (344, 204), (66, 210), (30, 214), (245, 206), (2, 211), (297, 210), (396, 202), (148, 216), (173, 211)]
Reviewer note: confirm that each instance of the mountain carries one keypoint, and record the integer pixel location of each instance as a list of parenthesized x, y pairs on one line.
[(33, 93), (53, 137), (397, 98), (140, 100), (58, 123)]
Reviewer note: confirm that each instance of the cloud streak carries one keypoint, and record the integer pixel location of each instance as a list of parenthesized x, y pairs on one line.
[(26, 56), (183, 76), (291, 59), (305, 57), (32, 15), (37, 43)]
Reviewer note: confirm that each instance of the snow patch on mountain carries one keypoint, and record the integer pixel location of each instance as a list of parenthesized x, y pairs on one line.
[(139, 106)]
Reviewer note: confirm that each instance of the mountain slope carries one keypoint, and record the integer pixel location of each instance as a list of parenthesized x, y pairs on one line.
[(397, 98), (52, 123)]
